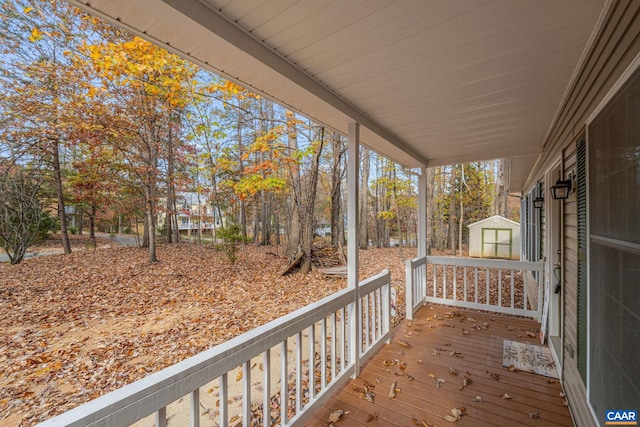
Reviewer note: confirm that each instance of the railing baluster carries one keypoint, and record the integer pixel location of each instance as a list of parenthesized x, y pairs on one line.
[(334, 353), (434, 271), (161, 417), (444, 281), (312, 361), (465, 283), (487, 286), (476, 285), (194, 408), (343, 340), (499, 287), (223, 400), (284, 383), (379, 311), (524, 290), (246, 393), (266, 386), (323, 353), (365, 312), (513, 303), (386, 307), (455, 282), (299, 372)]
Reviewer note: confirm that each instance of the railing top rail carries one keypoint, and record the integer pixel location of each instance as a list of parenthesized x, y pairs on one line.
[(417, 262), (486, 263), (154, 391), (374, 282)]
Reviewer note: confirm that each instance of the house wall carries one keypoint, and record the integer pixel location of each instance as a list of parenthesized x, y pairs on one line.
[(615, 46)]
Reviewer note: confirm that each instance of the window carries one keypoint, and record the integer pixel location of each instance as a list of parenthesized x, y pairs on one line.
[(613, 202)]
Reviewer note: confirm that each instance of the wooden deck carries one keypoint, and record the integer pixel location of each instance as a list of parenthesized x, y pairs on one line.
[(440, 339)]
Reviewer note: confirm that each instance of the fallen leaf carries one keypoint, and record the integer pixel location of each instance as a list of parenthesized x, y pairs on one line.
[(404, 343), (506, 396), (392, 391), (456, 414), (534, 415), (372, 417), (335, 416)]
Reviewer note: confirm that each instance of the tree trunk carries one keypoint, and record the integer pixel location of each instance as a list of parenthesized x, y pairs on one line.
[(364, 199), (337, 226), (171, 193), (430, 208), (92, 225), (452, 215), (500, 204), (62, 215), (293, 240), (308, 209), (150, 224)]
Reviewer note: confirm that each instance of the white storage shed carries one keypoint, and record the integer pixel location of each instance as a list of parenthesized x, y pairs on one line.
[(494, 237)]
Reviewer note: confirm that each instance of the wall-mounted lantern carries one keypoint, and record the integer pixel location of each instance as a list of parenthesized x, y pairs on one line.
[(561, 189), (538, 202)]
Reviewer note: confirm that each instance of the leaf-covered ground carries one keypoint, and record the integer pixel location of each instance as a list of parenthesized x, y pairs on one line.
[(78, 326)]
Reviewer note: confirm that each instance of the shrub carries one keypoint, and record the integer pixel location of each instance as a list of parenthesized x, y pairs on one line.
[(231, 235)]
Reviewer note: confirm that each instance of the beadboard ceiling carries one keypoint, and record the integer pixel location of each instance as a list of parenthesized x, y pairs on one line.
[(431, 82)]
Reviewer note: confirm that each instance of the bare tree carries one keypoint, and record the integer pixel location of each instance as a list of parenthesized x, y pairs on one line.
[(20, 214)]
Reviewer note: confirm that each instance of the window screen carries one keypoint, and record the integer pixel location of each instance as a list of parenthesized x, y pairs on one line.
[(614, 251)]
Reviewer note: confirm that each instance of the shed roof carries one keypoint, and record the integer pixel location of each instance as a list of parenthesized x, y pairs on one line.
[(492, 218)]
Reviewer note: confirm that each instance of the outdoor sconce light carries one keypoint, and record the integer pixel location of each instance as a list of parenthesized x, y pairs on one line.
[(538, 202), (561, 189)]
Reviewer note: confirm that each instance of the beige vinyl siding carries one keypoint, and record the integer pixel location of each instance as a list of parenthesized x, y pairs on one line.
[(614, 47)]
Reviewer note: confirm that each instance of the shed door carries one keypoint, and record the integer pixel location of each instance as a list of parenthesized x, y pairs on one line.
[(496, 243)]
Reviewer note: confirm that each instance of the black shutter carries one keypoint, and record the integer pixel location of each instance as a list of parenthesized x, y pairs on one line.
[(582, 257)]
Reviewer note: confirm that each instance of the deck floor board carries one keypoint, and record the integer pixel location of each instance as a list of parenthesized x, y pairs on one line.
[(432, 336)]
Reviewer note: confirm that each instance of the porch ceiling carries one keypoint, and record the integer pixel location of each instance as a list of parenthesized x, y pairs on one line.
[(431, 82)]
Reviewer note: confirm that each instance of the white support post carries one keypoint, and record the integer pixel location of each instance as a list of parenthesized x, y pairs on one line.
[(161, 417), (194, 409), (353, 173), (422, 212)]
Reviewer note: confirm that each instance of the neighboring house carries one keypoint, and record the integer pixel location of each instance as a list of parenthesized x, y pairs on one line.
[(494, 237), (194, 212)]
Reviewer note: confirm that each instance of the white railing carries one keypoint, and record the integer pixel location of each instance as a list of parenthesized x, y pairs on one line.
[(485, 284), (303, 356)]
